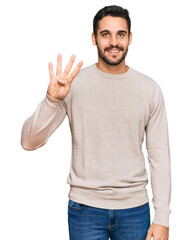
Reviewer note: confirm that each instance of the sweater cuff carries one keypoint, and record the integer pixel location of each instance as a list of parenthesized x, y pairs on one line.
[(51, 99), (161, 217)]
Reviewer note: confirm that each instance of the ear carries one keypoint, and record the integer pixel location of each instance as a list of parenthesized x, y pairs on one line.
[(93, 39), (130, 38)]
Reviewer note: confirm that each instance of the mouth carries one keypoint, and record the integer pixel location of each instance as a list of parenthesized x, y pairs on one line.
[(114, 51)]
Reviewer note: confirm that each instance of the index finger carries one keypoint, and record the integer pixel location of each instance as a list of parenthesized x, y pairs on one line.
[(76, 70)]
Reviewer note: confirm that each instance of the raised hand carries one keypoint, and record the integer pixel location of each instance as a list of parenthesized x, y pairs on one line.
[(60, 84)]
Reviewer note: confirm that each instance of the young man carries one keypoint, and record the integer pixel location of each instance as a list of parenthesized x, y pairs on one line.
[(110, 106)]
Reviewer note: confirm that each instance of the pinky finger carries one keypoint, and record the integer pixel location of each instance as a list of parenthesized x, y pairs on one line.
[(51, 72), (76, 70)]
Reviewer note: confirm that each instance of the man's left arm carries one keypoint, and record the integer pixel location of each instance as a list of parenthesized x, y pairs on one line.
[(157, 145)]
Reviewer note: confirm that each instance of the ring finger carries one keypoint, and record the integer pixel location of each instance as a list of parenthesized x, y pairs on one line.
[(59, 64)]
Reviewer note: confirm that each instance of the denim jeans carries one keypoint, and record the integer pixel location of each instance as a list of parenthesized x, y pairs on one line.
[(92, 223)]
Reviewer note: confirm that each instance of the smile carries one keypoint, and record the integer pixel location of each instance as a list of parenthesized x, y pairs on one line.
[(114, 51)]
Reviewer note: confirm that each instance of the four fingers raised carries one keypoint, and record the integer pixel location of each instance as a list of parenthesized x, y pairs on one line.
[(67, 69)]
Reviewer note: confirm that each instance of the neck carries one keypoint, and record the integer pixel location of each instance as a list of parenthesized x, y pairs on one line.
[(118, 69)]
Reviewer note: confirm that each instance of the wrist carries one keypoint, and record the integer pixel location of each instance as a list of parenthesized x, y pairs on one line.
[(52, 98)]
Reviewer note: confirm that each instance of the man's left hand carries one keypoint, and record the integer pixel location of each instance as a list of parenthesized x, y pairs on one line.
[(158, 232)]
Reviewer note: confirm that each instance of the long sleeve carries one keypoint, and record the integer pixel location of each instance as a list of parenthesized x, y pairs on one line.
[(37, 129), (157, 144)]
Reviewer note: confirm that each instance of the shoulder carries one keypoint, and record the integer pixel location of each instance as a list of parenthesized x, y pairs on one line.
[(85, 71), (143, 77), (81, 77), (147, 82)]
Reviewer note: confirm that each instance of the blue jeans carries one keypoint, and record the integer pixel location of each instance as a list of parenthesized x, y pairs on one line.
[(91, 223)]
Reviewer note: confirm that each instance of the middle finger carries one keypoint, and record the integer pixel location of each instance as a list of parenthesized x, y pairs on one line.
[(69, 65)]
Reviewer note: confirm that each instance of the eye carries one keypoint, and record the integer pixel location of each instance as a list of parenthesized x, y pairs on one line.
[(121, 34), (105, 34)]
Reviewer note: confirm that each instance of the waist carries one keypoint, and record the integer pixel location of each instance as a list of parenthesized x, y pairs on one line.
[(110, 197)]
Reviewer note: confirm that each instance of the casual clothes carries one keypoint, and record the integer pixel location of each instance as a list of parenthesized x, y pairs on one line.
[(109, 115)]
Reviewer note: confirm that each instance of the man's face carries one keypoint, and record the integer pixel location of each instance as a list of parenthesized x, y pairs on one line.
[(112, 40)]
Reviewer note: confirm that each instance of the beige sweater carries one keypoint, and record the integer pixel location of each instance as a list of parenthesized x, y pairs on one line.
[(108, 116)]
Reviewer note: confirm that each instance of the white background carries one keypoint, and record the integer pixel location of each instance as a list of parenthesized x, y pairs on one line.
[(33, 188)]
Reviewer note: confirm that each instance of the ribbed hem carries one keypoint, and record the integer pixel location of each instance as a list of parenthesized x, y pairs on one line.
[(108, 199)]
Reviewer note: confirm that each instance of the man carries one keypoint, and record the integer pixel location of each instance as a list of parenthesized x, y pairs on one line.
[(110, 107)]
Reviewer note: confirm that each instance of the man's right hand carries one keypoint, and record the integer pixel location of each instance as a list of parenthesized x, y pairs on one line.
[(60, 84)]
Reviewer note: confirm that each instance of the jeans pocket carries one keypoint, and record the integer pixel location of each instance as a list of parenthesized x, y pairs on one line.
[(75, 205)]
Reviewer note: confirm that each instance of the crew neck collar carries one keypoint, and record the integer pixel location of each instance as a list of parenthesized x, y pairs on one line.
[(110, 75)]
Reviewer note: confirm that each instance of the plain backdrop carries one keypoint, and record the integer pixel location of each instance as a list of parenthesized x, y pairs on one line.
[(33, 188)]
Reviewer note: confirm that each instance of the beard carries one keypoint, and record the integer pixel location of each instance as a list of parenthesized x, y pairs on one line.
[(107, 60)]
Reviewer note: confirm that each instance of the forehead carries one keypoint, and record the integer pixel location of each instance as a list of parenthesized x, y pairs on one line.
[(112, 24)]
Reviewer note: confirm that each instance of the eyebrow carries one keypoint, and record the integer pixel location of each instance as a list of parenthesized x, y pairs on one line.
[(120, 31)]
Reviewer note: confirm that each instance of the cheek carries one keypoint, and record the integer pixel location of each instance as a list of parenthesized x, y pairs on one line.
[(102, 43), (126, 43)]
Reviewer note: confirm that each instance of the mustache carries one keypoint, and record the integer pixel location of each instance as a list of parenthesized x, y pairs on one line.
[(110, 48)]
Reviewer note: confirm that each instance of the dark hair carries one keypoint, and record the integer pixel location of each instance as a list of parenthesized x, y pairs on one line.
[(114, 11)]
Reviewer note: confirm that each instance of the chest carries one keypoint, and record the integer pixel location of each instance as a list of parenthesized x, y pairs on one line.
[(110, 101)]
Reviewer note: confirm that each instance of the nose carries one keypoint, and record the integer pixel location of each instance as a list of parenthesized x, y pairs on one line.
[(113, 40)]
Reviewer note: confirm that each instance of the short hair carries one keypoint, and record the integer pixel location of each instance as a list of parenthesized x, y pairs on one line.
[(114, 11)]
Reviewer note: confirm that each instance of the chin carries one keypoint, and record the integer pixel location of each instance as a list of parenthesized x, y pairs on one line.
[(114, 63)]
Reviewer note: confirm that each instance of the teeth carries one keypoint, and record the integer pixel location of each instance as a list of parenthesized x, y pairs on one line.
[(115, 51)]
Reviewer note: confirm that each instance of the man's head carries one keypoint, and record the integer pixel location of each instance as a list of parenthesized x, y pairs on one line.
[(112, 34)]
